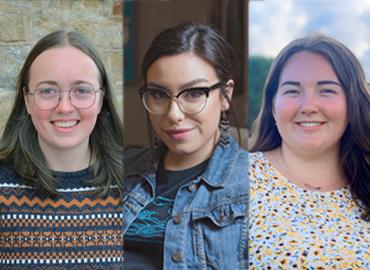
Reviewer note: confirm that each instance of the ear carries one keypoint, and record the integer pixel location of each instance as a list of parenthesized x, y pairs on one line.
[(229, 89), (26, 99)]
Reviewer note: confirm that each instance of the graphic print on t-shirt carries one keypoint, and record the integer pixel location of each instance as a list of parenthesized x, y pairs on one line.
[(151, 222)]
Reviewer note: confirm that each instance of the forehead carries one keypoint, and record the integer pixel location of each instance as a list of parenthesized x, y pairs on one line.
[(63, 62), (172, 71), (307, 66)]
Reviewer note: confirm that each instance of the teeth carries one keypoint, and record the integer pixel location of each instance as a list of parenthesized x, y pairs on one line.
[(310, 124), (65, 124)]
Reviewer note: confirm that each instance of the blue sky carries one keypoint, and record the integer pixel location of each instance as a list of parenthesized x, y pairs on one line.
[(274, 23)]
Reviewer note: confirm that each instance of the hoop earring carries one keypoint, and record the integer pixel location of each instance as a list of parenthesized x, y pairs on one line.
[(225, 127)]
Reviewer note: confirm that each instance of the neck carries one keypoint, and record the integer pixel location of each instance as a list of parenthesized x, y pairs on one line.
[(67, 160), (315, 172)]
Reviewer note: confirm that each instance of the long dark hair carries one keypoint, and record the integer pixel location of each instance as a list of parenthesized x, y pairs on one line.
[(19, 147), (355, 142), (201, 40)]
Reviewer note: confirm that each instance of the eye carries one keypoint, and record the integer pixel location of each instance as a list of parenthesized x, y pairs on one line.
[(157, 95), (291, 92), (328, 92), (46, 92), (192, 94), (82, 91)]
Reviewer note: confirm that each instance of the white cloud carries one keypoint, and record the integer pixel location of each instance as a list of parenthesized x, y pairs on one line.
[(273, 24), (270, 28)]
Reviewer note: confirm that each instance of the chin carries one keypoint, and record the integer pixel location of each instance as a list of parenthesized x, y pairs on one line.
[(180, 150), (312, 147)]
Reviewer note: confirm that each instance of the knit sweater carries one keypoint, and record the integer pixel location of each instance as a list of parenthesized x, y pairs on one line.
[(74, 229)]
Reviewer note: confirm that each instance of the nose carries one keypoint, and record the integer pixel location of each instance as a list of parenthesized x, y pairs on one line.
[(65, 104), (309, 102), (174, 113)]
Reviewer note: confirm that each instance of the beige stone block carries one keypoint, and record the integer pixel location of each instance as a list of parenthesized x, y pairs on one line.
[(14, 28), (115, 65), (117, 9), (109, 37), (12, 58), (6, 103), (15, 7)]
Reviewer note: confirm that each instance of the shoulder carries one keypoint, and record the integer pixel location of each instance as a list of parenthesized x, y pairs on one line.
[(258, 160), (256, 157), (233, 153), (228, 168), (260, 169), (236, 158), (8, 175)]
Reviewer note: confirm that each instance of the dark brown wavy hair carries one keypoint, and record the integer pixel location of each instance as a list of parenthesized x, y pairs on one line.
[(19, 147), (355, 142), (201, 40)]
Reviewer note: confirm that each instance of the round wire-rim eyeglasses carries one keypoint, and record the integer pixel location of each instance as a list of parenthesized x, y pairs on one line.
[(57, 96)]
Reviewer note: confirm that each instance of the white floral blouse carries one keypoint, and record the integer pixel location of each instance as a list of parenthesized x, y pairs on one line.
[(293, 228)]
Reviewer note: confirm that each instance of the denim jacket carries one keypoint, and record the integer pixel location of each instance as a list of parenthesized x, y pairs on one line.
[(208, 228)]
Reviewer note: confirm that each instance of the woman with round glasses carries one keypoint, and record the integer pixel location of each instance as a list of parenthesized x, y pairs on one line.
[(61, 162), (309, 168), (185, 199)]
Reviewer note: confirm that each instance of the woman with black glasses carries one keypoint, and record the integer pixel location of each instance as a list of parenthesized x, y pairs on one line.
[(185, 201)]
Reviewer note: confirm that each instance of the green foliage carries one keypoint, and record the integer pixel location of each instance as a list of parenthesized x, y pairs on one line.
[(258, 67)]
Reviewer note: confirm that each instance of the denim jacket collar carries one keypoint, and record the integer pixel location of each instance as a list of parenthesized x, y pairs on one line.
[(216, 174), (218, 171)]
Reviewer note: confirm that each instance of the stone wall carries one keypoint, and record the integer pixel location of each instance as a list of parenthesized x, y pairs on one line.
[(24, 22)]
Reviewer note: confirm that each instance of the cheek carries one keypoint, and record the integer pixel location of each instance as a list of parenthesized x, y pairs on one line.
[(337, 110), (156, 121), (39, 117), (284, 109), (89, 117), (209, 119)]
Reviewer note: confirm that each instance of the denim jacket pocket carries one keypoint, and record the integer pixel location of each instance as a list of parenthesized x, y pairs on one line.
[(220, 236)]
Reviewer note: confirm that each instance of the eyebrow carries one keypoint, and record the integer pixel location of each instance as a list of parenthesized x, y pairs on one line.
[(329, 82), (296, 83), (56, 84), (183, 86), (47, 82), (193, 82)]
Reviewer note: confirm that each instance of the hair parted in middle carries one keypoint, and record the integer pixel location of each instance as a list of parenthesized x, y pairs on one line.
[(355, 142), (19, 146), (198, 39)]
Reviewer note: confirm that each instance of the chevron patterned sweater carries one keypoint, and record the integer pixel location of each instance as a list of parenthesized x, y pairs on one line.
[(72, 230)]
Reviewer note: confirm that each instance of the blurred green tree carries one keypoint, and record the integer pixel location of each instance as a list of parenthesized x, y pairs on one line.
[(258, 68)]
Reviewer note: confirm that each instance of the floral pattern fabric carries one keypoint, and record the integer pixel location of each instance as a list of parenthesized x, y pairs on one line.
[(293, 228)]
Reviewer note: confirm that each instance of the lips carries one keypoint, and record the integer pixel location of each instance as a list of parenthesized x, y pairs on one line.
[(178, 133), (65, 124), (310, 124)]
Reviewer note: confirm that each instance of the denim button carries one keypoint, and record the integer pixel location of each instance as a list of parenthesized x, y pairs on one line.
[(222, 216), (177, 256), (192, 187), (177, 218)]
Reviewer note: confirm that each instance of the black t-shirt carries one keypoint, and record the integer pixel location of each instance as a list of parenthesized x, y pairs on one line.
[(143, 241)]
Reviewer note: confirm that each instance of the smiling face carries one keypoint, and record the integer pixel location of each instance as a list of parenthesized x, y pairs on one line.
[(64, 127), (310, 107), (190, 136)]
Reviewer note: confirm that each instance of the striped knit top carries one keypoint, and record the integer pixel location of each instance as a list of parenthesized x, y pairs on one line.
[(72, 230)]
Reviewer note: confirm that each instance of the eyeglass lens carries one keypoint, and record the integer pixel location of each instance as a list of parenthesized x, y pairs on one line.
[(49, 98), (190, 101)]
